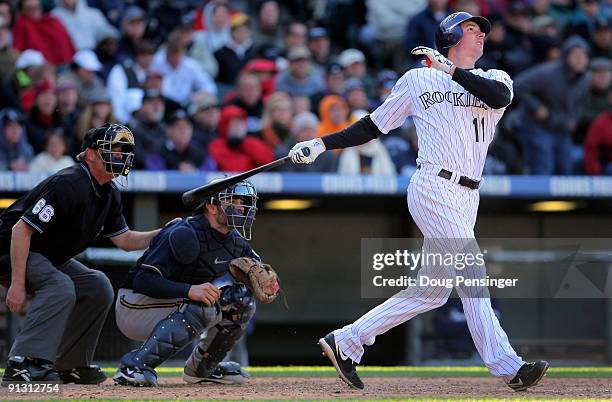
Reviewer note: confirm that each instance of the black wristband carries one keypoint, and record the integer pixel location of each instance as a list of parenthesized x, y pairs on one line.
[(358, 133)]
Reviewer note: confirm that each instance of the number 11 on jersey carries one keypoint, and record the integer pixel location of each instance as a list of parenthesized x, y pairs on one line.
[(479, 136)]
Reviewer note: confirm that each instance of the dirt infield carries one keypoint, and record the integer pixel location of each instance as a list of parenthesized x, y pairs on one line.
[(331, 388)]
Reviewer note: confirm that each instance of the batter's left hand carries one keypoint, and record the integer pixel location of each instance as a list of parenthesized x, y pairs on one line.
[(316, 148), (434, 59)]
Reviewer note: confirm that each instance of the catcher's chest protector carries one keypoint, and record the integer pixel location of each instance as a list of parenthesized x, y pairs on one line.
[(216, 251)]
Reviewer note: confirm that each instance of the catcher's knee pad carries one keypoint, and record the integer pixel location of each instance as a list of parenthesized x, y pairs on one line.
[(237, 304), (171, 334)]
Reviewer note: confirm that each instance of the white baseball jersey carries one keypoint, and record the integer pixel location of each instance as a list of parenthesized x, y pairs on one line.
[(454, 127)]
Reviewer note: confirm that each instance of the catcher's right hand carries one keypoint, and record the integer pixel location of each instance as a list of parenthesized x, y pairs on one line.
[(316, 148), (259, 277)]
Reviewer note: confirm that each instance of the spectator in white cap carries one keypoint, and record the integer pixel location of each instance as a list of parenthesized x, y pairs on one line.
[(354, 64), (85, 65), (29, 58), (86, 25), (20, 80)]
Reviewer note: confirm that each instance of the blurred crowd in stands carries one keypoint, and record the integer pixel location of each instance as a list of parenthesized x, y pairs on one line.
[(229, 85)]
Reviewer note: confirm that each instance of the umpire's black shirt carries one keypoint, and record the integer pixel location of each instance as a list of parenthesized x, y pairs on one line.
[(67, 212)]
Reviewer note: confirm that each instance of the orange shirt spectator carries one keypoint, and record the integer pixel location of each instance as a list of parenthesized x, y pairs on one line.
[(334, 114)]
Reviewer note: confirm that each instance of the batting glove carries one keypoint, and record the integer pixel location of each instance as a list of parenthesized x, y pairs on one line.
[(433, 58), (315, 147)]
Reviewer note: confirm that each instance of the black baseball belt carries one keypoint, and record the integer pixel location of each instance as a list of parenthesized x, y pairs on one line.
[(463, 180)]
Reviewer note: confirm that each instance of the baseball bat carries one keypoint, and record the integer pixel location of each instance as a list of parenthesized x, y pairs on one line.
[(194, 197)]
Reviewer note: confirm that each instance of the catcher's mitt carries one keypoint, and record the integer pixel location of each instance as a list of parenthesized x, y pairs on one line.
[(259, 277)]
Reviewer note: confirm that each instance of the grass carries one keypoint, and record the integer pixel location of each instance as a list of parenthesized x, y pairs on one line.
[(390, 371), (395, 371)]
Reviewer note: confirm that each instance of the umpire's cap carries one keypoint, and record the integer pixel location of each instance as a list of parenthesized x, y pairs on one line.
[(449, 32)]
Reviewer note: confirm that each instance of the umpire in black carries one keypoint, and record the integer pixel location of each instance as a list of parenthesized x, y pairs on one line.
[(39, 236)]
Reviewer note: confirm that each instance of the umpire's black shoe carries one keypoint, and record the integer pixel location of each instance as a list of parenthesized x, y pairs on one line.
[(25, 369), (529, 375), (346, 368), (83, 375)]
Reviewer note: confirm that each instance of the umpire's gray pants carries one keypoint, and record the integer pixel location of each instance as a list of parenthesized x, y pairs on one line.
[(67, 311)]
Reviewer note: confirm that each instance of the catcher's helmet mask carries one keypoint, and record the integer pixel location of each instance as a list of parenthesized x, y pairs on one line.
[(449, 32), (239, 204)]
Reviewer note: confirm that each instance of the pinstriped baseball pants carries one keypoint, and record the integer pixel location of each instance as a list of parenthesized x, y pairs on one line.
[(445, 212)]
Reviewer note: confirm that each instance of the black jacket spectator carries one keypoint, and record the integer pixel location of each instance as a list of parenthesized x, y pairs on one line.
[(233, 56), (147, 126), (178, 152), (421, 30), (205, 113)]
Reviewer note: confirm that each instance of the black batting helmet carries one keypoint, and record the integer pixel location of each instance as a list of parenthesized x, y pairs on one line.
[(449, 32)]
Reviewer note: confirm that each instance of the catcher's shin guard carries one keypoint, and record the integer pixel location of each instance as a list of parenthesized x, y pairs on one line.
[(238, 307), (172, 334), (206, 360)]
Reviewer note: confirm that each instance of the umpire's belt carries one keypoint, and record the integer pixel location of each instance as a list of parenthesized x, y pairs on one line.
[(463, 180)]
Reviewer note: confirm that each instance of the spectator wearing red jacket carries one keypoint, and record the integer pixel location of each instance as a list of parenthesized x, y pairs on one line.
[(234, 151), (42, 32), (598, 146)]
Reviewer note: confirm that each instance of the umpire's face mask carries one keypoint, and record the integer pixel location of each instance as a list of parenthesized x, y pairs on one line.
[(240, 211)]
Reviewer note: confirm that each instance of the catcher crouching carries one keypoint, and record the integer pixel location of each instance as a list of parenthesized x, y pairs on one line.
[(199, 276)]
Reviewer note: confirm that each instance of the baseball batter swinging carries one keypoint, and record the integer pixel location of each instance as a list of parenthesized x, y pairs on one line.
[(455, 109)]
